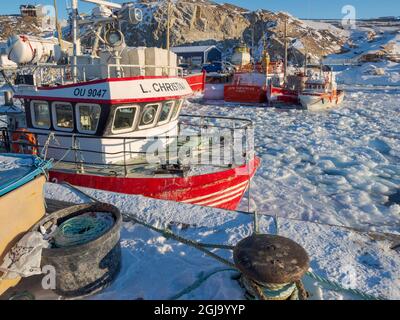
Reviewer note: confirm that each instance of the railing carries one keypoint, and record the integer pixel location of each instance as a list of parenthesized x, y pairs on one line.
[(237, 133), (46, 74), (120, 69)]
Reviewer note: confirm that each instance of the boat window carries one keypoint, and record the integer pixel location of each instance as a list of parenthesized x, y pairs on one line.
[(166, 111), (63, 117), (88, 116), (124, 119), (40, 114), (177, 109), (149, 116)]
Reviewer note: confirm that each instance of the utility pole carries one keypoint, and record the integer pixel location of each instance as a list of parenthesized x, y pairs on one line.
[(286, 48)]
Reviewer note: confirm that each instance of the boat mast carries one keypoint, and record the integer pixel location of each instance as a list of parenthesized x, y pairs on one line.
[(58, 26), (286, 49), (169, 8), (168, 46), (75, 41), (305, 60)]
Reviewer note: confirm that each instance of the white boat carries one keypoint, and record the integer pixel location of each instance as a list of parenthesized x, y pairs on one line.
[(320, 92)]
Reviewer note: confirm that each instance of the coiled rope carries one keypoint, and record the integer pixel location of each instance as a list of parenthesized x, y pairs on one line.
[(83, 229)]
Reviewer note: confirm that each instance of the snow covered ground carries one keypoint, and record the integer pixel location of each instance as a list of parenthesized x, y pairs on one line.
[(369, 39), (338, 167), (383, 73), (154, 267)]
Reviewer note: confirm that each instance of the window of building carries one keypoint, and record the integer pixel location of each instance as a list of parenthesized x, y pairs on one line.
[(88, 116), (124, 119), (149, 116), (40, 114), (63, 116)]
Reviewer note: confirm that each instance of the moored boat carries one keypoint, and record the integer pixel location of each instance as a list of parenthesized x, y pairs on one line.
[(250, 80), (321, 93), (110, 120)]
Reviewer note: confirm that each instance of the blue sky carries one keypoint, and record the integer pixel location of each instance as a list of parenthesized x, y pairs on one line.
[(299, 8)]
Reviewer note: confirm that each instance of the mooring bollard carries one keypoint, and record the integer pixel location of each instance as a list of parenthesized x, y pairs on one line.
[(272, 267)]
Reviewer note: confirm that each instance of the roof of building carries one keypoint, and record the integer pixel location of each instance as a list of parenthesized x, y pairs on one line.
[(190, 49)]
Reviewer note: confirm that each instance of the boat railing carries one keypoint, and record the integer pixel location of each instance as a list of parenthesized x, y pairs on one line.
[(238, 131), (122, 69), (48, 73)]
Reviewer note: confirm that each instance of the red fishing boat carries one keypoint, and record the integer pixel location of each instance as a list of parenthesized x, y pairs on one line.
[(111, 121), (250, 80)]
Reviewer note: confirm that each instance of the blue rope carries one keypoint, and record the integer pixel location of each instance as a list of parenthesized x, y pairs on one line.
[(80, 230)]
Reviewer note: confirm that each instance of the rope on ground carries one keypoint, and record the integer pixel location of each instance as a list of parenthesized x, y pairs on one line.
[(338, 287), (202, 278), (168, 234)]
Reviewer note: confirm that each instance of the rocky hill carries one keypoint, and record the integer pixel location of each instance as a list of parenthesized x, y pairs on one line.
[(10, 25), (206, 22)]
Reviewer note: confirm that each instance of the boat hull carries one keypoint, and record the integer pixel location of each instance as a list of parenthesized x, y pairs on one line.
[(282, 95), (317, 103), (245, 93), (196, 82), (19, 211), (222, 189)]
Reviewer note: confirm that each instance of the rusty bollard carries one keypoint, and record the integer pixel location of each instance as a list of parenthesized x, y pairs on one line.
[(272, 267)]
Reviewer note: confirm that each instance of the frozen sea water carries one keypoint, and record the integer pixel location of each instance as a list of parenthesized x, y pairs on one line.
[(338, 167)]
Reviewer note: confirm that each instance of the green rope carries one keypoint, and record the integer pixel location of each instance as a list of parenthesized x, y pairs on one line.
[(80, 230), (170, 235), (338, 287), (202, 278)]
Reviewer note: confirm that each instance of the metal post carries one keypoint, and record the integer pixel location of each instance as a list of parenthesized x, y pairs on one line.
[(96, 41), (125, 169), (74, 147)]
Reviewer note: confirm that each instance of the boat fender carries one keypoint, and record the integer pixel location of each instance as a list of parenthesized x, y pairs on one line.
[(24, 142)]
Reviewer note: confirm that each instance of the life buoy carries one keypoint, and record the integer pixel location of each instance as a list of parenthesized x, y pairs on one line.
[(24, 142)]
